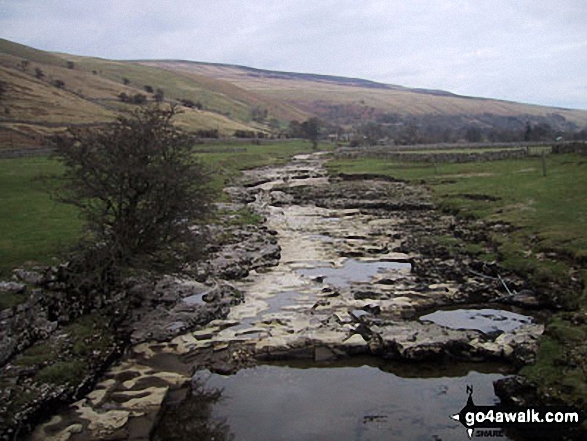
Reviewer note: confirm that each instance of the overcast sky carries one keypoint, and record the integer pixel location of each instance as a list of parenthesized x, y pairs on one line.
[(532, 51)]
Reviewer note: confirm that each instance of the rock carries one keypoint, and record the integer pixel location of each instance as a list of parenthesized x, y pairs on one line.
[(367, 294), (525, 299), (12, 287), (30, 277), (355, 345), (357, 314), (385, 281), (516, 390), (322, 354), (321, 304), (279, 198)]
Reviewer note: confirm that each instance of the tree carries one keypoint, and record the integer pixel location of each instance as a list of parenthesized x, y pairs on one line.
[(148, 89), (125, 81), (159, 95), (3, 89), (59, 84), (39, 73), (579, 135), (473, 134), (259, 114), (294, 129), (311, 128), (274, 125), (408, 135), (138, 98), (70, 65), (139, 189), (371, 132)]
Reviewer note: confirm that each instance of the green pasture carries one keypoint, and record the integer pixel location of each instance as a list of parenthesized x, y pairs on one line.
[(34, 227)]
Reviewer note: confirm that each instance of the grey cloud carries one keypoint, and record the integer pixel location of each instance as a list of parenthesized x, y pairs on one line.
[(527, 50)]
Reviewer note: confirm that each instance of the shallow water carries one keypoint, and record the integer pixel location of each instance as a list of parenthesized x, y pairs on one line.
[(361, 402), (352, 270), (484, 320)]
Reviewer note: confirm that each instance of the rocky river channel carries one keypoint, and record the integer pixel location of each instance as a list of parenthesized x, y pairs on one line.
[(341, 322)]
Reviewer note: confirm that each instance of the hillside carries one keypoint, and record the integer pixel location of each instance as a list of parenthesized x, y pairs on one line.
[(324, 95), (45, 92), (33, 106)]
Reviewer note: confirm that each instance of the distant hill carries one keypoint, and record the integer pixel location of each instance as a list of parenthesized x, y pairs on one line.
[(33, 105), (44, 92), (317, 92)]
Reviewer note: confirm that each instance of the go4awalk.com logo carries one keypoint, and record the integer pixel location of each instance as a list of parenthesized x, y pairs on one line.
[(481, 419)]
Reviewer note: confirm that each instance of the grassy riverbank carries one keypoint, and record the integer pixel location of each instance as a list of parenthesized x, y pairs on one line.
[(545, 241)]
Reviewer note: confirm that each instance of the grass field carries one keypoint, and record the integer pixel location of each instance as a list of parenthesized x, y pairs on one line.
[(548, 242), (34, 227)]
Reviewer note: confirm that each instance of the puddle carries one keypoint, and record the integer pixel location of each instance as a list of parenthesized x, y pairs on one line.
[(484, 320), (334, 403), (196, 299), (278, 303), (283, 299), (351, 271)]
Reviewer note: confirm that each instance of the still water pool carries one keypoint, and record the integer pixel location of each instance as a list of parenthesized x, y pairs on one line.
[(361, 402)]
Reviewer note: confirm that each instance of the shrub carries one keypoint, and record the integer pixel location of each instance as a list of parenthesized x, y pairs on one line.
[(140, 191)]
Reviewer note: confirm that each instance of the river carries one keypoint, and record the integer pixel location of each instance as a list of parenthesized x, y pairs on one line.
[(343, 339)]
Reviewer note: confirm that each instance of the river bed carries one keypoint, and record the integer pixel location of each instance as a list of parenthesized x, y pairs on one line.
[(343, 290)]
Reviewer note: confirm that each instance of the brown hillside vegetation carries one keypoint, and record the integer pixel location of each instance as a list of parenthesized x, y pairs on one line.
[(316, 92), (45, 92)]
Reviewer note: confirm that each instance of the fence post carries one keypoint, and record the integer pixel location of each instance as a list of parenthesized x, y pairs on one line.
[(543, 163)]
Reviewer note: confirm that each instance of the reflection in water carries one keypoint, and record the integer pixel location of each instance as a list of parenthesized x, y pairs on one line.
[(192, 419), (352, 270), (331, 403)]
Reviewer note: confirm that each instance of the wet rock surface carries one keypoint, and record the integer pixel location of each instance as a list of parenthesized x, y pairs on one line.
[(340, 268)]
